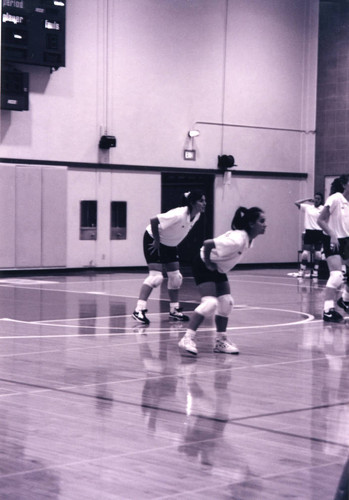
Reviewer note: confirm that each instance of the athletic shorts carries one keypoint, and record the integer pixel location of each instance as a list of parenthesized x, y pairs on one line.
[(203, 275), (313, 237), (167, 254), (343, 247)]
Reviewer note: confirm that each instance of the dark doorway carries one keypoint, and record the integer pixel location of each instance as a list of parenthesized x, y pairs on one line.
[(173, 188)]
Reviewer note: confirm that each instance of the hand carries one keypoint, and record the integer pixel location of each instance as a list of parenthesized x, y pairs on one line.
[(334, 244), (154, 247), (211, 266)]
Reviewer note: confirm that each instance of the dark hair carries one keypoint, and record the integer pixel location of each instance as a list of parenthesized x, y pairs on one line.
[(191, 197), (338, 184), (321, 196), (244, 217)]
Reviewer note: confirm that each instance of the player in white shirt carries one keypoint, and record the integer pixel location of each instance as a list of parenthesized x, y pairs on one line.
[(161, 238), (313, 235), (217, 257), (334, 220)]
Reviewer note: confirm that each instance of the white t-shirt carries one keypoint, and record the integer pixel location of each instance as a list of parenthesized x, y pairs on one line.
[(339, 215), (229, 249), (311, 215), (174, 226)]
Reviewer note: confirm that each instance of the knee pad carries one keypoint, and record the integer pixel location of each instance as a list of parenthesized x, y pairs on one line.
[(175, 280), (154, 279), (207, 306), (305, 255), (317, 255), (225, 305), (345, 273), (335, 280)]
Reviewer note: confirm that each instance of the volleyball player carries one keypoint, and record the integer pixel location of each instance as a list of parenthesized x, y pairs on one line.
[(334, 220), (161, 238), (313, 236), (217, 257)]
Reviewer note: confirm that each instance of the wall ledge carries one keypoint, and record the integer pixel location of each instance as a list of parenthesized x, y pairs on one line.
[(146, 168)]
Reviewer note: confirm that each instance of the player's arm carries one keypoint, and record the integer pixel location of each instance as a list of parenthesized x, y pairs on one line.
[(323, 223), (208, 246), (306, 200), (155, 246)]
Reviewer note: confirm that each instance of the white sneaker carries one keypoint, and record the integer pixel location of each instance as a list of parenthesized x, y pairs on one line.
[(141, 317), (300, 274), (188, 345), (226, 347), (178, 315)]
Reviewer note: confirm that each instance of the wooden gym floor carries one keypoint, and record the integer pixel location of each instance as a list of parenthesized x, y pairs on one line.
[(95, 407)]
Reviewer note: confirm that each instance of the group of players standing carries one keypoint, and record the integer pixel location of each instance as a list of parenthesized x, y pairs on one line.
[(327, 230), (210, 266)]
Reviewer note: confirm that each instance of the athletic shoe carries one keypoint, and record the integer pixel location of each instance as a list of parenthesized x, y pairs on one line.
[(178, 315), (300, 274), (226, 347), (141, 317), (343, 304), (332, 316), (188, 345), (315, 274)]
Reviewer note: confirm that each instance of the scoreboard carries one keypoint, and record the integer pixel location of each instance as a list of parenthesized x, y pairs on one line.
[(33, 32)]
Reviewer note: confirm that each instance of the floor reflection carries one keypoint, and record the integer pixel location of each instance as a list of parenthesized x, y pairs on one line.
[(161, 373), (30, 474), (90, 399), (207, 418)]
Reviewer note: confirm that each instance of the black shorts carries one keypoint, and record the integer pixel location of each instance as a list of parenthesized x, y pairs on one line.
[(313, 237), (203, 275), (343, 247), (167, 254)]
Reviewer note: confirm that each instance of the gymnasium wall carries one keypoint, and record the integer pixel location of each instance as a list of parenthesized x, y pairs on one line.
[(106, 186), (147, 71), (332, 148), (33, 216)]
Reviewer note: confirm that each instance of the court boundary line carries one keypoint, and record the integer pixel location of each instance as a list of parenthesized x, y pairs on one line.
[(126, 330)]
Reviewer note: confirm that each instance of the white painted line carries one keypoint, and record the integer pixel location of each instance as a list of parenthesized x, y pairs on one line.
[(148, 330), (22, 281)]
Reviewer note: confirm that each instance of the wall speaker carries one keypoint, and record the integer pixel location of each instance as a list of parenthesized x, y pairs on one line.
[(226, 161), (107, 141)]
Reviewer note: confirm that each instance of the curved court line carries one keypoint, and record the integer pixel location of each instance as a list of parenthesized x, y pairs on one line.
[(51, 322), (91, 318), (131, 330)]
